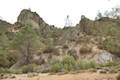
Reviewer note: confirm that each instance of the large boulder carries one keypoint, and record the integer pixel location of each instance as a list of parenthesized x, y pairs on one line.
[(105, 57)]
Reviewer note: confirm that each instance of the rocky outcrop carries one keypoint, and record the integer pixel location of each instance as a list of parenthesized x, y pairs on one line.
[(85, 25), (101, 27), (32, 18), (104, 57)]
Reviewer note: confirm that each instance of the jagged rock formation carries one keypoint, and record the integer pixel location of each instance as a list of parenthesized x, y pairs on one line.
[(28, 17)]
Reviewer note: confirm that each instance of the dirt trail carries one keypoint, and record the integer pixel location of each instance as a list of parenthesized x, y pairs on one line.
[(77, 76)]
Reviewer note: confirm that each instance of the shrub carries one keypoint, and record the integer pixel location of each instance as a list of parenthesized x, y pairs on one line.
[(4, 62), (28, 68), (3, 70), (111, 45), (85, 64), (57, 67), (12, 58), (7, 59), (15, 71), (111, 64), (69, 63)]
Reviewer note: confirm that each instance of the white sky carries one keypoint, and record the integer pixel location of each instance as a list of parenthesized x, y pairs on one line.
[(54, 12)]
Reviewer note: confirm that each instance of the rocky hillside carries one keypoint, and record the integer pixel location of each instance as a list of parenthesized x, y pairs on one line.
[(106, 29), (32, 41)]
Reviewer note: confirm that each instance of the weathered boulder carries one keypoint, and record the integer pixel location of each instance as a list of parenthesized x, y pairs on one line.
[(104, 57)]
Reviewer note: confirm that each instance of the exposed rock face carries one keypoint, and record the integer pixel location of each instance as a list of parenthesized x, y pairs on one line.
[(105, 57), (29, 17), (33, 19), (85, 25), (26, 15)]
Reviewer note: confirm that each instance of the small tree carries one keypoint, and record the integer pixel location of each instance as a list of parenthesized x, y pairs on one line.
[(26, 43)]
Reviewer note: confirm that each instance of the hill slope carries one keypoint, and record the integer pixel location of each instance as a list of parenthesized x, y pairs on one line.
[(33, 41)]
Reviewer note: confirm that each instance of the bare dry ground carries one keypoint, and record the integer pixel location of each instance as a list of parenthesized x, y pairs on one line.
[(76, 76)]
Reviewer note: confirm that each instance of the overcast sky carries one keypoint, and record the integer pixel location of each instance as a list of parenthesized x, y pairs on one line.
[(54, 12)]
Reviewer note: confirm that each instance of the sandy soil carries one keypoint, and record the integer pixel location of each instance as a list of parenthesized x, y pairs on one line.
[(77, 76)]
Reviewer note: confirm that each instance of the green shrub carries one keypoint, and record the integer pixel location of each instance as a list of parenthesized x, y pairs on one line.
[(15, 71), (28, 68), (12, 58), (57, 67), (111, 64), (111, 45), (4, 70), (85, 64), (4, 62), (69, 63)]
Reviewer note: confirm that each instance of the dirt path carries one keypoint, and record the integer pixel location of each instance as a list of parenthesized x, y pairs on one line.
[(77, 76)]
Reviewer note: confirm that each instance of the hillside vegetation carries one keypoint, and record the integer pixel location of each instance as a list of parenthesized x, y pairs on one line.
[(32, 45)]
